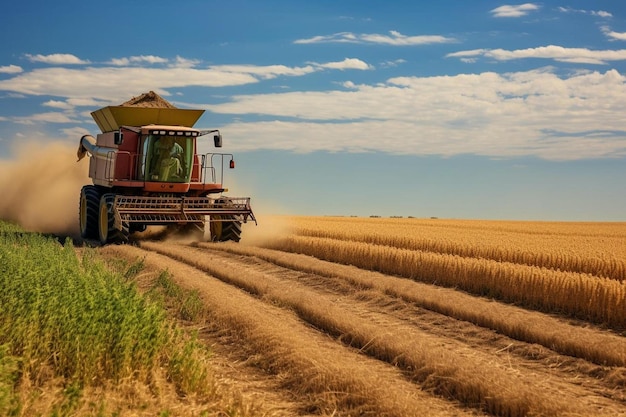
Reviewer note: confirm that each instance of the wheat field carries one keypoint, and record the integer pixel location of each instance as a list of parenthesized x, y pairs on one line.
[(383, 327), (575, 269)]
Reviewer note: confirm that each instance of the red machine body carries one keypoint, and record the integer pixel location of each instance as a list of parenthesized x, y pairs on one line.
[(146, 173)]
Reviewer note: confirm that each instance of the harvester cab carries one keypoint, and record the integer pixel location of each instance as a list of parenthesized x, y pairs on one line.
[(146, 170)]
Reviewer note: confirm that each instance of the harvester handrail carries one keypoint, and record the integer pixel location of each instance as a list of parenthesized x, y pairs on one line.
[(204, 168), (208, 165), (109, 165)]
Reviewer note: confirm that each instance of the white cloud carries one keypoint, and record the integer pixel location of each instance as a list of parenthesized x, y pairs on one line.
[(150, 59), (80, 101), (526, 113), (394, 38), (519, 10), (14, 95), (63, 105), (185, 62), (613, 35), (57, 59), (120, 61), (557, 53), (141, 59), (75, 132), (262, 72), (397, 39), (391, 64), (533, 113), (273, 71), (599, 13), (112, 83), (50, 117), (348, 63), (90, 86), (467, 54), (10, 69)]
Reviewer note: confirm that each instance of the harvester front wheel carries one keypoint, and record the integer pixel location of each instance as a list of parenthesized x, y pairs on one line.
[(106, 223), (88, 211), (224, 228)]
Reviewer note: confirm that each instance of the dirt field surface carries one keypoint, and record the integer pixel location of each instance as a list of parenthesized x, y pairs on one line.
[(301, 336)]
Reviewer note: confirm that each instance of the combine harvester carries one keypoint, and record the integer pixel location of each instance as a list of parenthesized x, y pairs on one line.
[(146, 170)]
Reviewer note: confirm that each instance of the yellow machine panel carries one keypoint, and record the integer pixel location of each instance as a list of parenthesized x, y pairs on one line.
[(111, 118)]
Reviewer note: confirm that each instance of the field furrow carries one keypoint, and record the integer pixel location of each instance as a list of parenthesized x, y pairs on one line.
[(476, 372), (595, 299), (328, 378), (577, 339)]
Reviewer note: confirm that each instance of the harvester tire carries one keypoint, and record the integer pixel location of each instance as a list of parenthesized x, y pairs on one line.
[(227, 228), (88, 211), (107, 232)]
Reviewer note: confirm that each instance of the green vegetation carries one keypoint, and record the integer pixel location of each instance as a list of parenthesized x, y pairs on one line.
[(8, 374), (72, 318), (186, 304), (73, 315)]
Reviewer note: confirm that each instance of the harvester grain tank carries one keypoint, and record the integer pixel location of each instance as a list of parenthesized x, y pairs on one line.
[(146, 170)]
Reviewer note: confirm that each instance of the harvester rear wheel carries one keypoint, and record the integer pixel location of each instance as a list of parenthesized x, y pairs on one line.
[(224, 228), (88, 211), (106, 223)]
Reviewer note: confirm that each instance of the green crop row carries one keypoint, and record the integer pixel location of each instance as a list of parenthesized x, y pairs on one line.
[(70, 317), (71, 314)]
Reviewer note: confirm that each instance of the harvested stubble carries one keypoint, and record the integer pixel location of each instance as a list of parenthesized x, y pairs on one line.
[(450, 370), (596, 346), (333, 380), (583, 296)]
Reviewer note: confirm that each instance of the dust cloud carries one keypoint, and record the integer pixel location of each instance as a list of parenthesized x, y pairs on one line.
[(274, 217), (269, 227), (40, 187), (40, 190)]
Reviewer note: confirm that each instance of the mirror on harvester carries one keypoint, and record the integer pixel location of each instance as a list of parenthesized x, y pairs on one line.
[(218, 141)]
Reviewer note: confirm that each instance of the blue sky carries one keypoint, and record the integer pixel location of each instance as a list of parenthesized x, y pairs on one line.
[(456, 109)]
